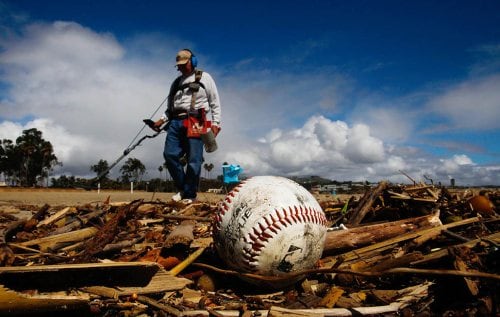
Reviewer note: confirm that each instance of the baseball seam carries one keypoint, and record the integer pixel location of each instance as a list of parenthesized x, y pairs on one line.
[(225, 205), (269, 226)]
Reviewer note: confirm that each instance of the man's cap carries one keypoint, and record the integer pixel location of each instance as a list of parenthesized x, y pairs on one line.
[(183, 57)]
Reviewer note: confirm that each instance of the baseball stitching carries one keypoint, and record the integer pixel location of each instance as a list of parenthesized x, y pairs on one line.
[(272, 223), (225, 205)]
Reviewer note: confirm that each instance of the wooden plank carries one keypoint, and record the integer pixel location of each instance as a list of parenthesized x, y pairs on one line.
[(12, 302), (129, 277)]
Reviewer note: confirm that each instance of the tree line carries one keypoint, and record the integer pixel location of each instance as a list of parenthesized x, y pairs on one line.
[(30, 159)]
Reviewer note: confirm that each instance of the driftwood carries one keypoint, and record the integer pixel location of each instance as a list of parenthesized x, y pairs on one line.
[(58, 215), (436, 255), (190, 259), (283, 312), (463, 258), (370, 234), (107, 233), (40, 214), (121, 279), (166, 308), (414, 237), (78, 222), (126, 278), (58, 241), (365, 204), (122, 244), (406, 297), (12, 302), (10, 229), (181, 235)]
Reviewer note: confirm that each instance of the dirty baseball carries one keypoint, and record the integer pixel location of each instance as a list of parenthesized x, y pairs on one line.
[(271, 226)]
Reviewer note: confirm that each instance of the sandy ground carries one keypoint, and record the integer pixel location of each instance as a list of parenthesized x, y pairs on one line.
[(71, 197)]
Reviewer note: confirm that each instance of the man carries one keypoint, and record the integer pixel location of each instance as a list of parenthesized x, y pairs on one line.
[(192, 95)]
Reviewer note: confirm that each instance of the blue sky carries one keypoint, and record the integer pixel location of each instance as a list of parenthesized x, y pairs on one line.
[(351, 90)]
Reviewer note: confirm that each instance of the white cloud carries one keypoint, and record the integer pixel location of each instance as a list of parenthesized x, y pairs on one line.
[(473, 104), (454, 164), (67, 147), (319, 147), (393, 119), (10, 130), (361, 147)]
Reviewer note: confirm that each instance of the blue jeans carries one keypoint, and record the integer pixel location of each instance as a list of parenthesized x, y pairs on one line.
[(176, 145)]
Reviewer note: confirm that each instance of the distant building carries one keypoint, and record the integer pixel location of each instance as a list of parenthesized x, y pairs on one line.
[(330, 188)]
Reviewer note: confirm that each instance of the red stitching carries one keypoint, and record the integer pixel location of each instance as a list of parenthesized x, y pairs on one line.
[(259, 235), (224, 206)]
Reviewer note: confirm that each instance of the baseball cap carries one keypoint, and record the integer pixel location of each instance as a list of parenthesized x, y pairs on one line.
[(182, 57)]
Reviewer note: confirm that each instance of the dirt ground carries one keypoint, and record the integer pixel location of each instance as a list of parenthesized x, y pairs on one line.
[(53, 197), (71, 197)]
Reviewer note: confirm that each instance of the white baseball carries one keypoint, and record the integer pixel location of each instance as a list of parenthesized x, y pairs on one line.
[(271, 226)]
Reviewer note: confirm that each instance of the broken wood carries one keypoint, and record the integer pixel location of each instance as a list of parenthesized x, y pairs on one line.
[(181, 235), (107, 233), (78, 222), (190, 259), (365, 204), (58, 215), (124, 278), (12, 302), (415, 237), (58, 241), (283, 312), (166, 308), (361, 236), (436, 255), (463, 257)]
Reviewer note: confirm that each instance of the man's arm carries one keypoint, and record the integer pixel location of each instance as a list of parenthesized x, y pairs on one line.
[(214, 103)]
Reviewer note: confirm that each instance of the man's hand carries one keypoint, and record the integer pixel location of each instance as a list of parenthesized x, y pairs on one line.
[(157, 125), (215, 129)]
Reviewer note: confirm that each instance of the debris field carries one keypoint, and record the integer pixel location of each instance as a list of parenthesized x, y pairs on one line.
[(395, 250)]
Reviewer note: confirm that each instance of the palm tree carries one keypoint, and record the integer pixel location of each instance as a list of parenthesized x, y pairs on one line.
[(100, 167), (205, 166), (210, 168), (133, 169)]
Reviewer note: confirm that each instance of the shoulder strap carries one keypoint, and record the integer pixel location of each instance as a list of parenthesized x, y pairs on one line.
[(197, 84), (173, 90), (197, 76), (197, 80)]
